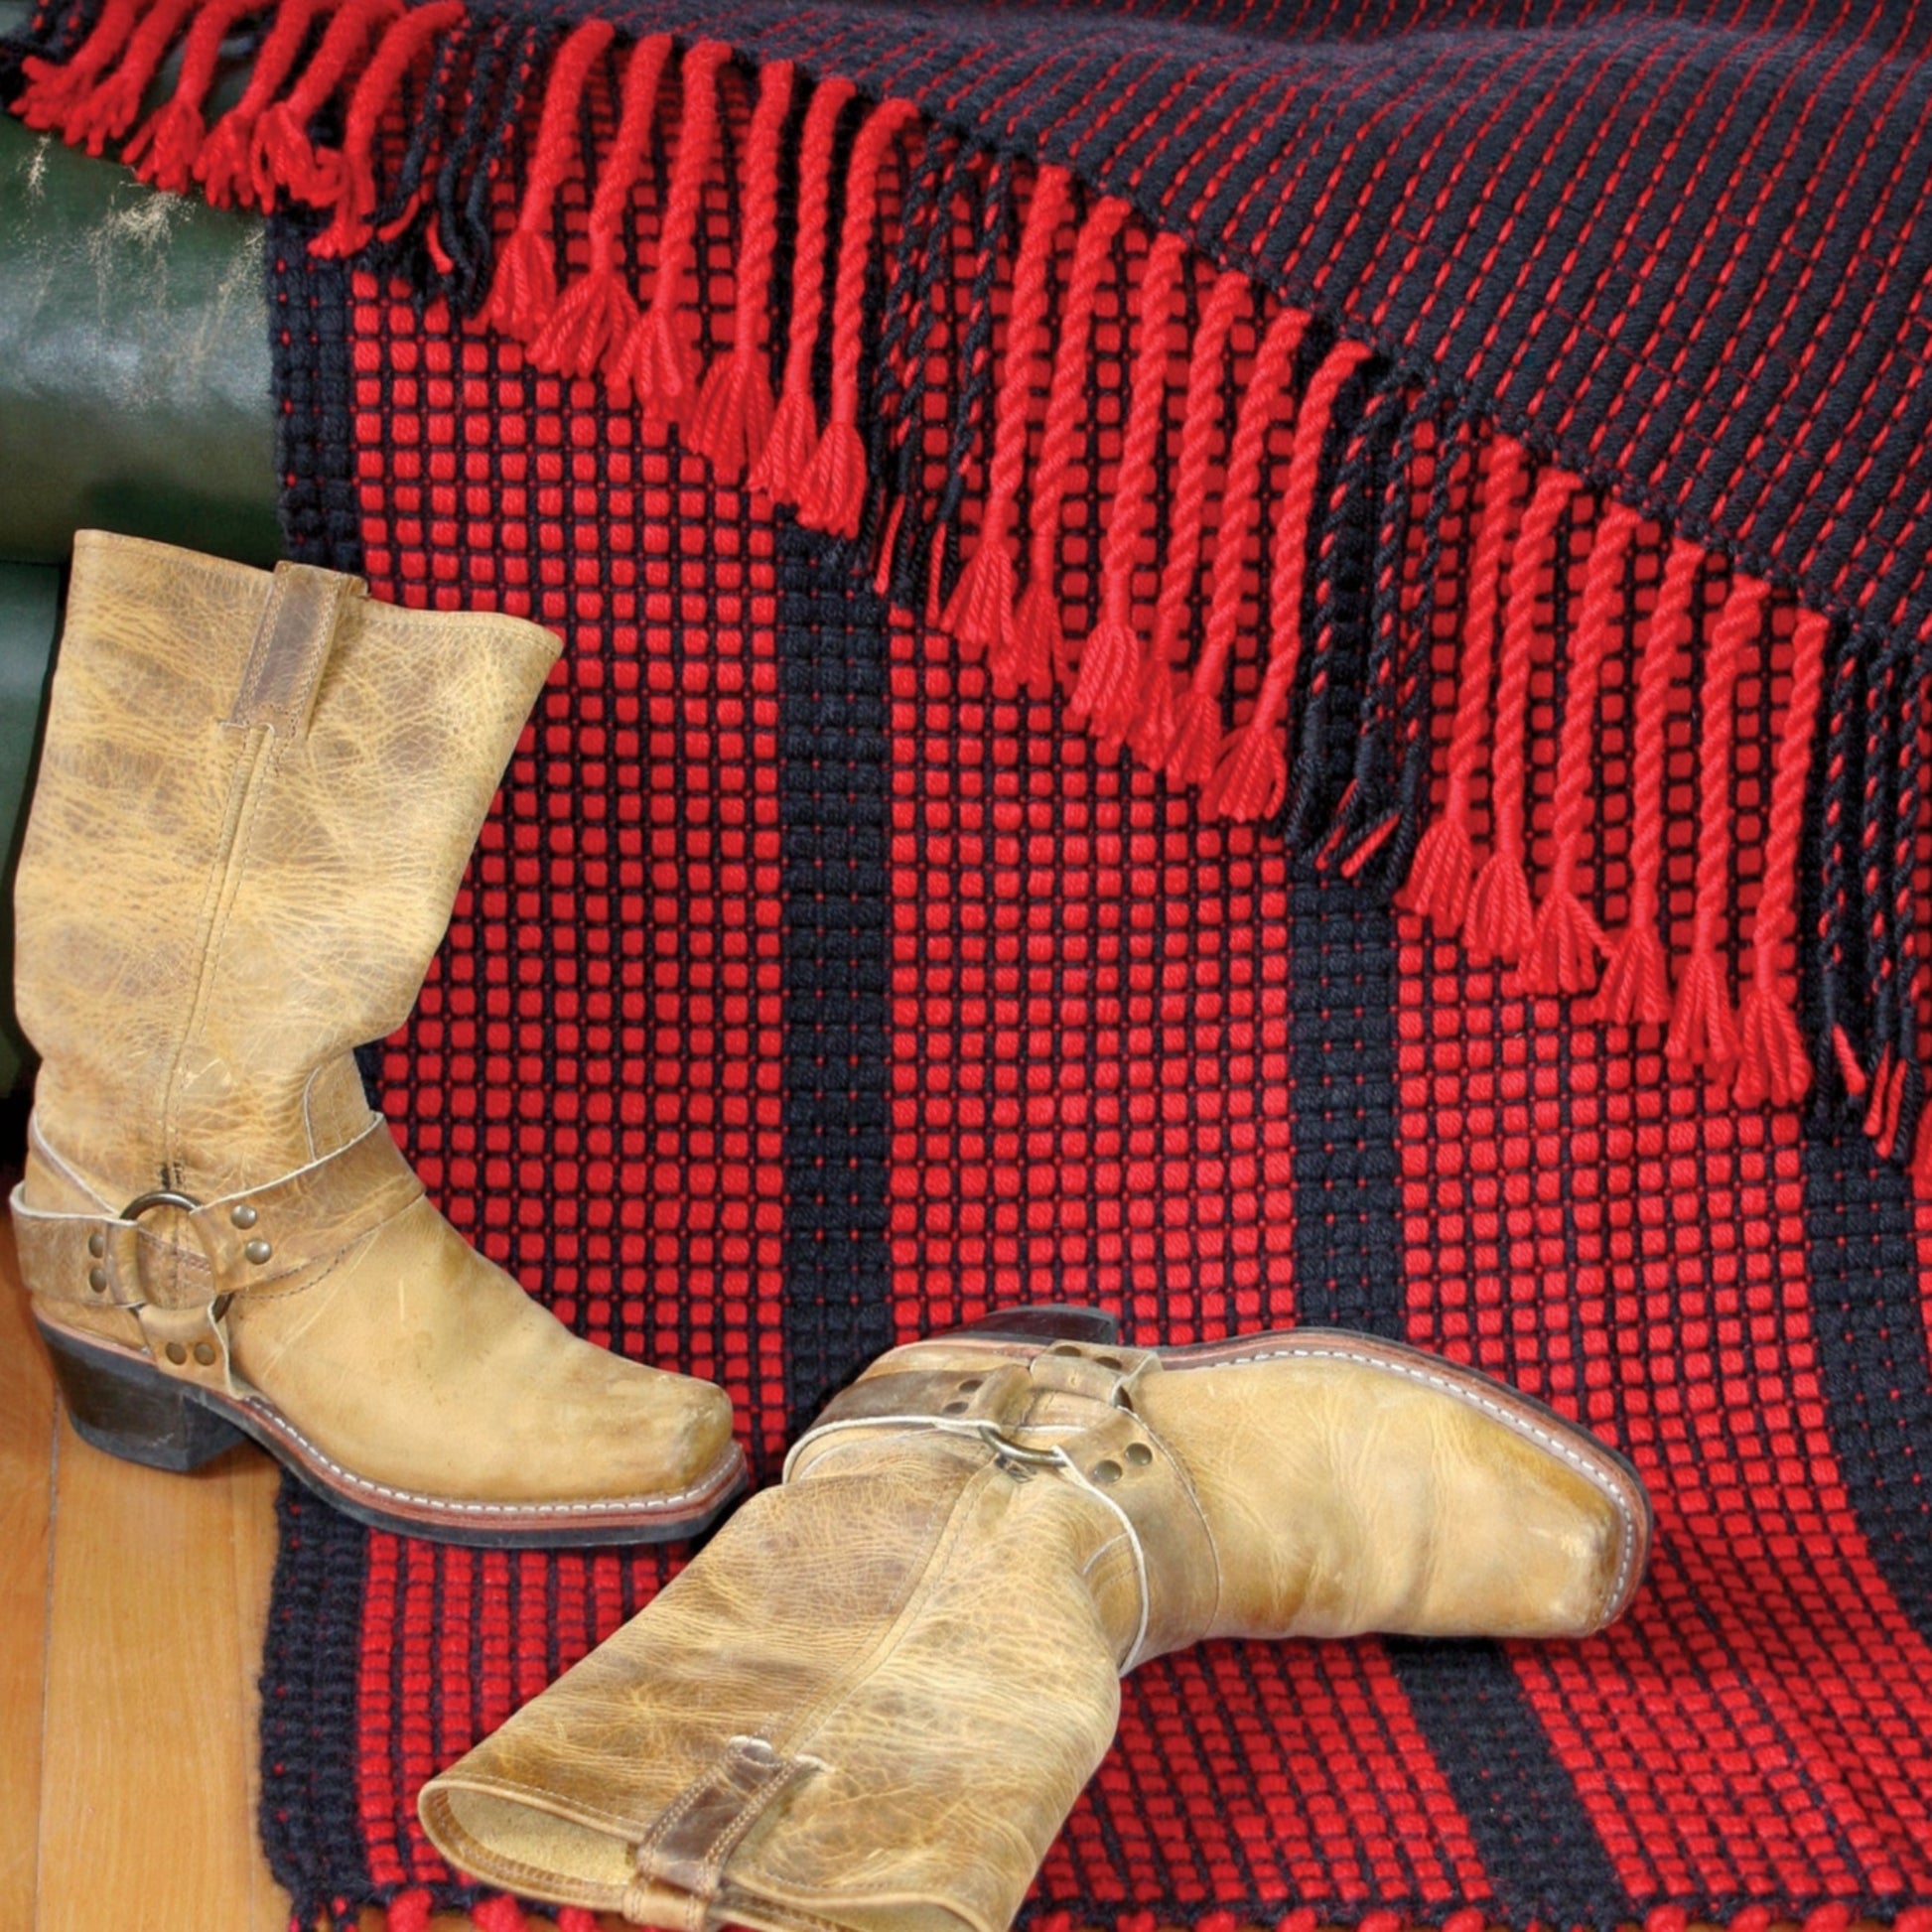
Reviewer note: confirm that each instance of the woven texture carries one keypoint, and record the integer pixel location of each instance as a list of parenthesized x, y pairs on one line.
[(1257, 666)]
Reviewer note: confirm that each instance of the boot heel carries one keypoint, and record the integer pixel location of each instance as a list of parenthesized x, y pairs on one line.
[(1047, 1321), (135, 1411)]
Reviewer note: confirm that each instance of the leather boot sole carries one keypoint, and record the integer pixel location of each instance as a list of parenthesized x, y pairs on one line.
[(120, 1402)]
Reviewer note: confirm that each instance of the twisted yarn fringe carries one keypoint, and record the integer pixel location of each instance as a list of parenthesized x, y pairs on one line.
[(1237, 457)]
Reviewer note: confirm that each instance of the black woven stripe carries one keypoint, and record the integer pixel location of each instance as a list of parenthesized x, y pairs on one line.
[(1341, 1000), (310, 1738), (833, 762), (1869, 1325), (1535, 1838), (307, 335), (1537, 1845)]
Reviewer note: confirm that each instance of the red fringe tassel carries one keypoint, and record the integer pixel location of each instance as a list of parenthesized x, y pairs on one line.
[(1500, 923)]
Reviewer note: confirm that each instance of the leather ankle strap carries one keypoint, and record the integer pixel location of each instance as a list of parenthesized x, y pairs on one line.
[(166, 1251)]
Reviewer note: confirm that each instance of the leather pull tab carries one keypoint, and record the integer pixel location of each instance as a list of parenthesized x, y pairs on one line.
[(691, 1844), (292, 643)]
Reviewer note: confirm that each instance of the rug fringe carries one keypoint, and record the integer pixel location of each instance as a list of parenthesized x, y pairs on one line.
[(910, 365)]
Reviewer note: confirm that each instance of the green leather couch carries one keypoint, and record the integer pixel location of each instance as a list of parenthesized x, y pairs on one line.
[(134, 396)]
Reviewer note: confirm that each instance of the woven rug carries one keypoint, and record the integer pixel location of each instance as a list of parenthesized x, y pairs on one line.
[(1258, 664)]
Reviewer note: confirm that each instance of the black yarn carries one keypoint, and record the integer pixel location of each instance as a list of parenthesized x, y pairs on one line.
[(973, 401), (1338, 608), (1372, 801)]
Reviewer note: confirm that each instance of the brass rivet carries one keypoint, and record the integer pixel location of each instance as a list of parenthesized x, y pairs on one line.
[(1106, 1472), (176, 1352), (243, 1216), (971, 1383), (258, 1251), (97, 1244), (205, 1353), (97, 1280), (1139, 1455), (955, 1409)]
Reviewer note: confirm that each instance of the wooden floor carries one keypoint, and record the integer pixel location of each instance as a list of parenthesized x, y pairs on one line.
[(132, 1606)]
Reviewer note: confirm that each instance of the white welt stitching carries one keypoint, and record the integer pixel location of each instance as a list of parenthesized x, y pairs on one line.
[(280, 1423), (1503, 1414)]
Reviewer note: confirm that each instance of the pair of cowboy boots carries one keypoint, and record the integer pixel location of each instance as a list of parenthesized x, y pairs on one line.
[(871, 1700)]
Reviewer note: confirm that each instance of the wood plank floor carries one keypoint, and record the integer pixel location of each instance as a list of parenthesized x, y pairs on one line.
[(132, 1606)]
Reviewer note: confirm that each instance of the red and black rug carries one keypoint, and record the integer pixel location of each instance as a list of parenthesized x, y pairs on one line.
[(1254, 663)]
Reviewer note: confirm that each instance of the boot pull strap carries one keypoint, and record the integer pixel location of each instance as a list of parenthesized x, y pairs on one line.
[(292, 644), (689, 1846)]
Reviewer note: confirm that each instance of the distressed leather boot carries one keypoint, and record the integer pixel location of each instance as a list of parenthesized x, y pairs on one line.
[(255, 802), (871, 1699)]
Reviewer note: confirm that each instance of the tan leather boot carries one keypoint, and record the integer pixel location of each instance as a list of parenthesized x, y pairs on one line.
[(255, 802), (873, 1699)]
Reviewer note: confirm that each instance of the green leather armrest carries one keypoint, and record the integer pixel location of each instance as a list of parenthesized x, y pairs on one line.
[(134, 364), (30, 617)]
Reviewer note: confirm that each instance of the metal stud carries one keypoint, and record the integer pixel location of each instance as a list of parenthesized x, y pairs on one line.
[(205, 1353), (1139, 1455), (97, 1280), (258, 1251), (1106, 1473), (176, 1352), (97, 1244), (243, 1216)]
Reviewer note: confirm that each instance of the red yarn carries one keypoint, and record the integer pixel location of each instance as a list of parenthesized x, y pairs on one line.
[(832, 492), (732, 418), (1569, 943), (981, 611), (780, 471), (55, 88), (1156, 713), (408, 1911), (1040, 641), (107, 109), (164, 149), (1198, 710), (1252, 773), (1772, 1064), (1500, 923), (1107, 692), (1703, 1031), (659, 358), (1200, 419), (281, 155), (589, 321), (525, 289), (498, 1914), (222, 162), (1444, 866), (405, 43), (1636, 987)]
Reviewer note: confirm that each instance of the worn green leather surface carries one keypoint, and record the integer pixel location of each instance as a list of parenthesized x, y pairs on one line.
[(134, 365), (134, 396)]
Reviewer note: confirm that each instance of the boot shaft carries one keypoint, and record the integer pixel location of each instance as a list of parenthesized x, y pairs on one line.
[(256, 798)]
